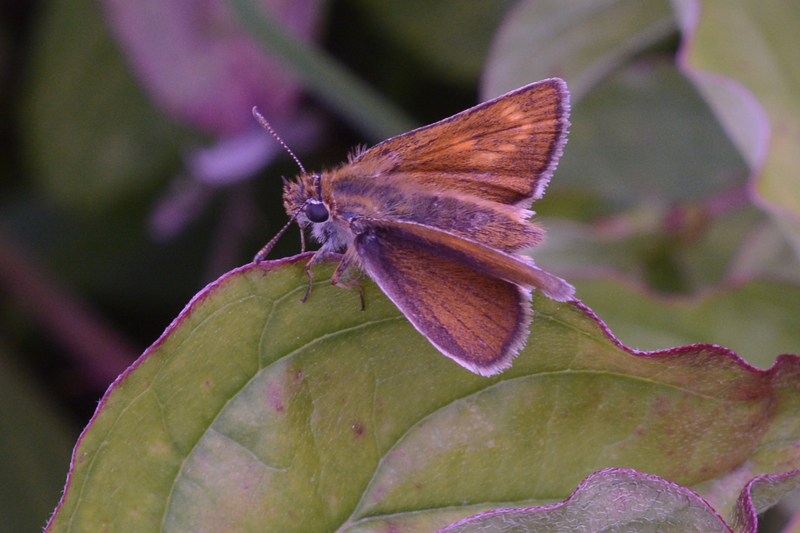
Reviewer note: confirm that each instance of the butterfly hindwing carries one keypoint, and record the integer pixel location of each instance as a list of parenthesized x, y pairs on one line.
[(477, 320), (469, 300), (485, 259)]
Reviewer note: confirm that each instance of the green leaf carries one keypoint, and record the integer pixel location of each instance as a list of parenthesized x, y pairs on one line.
[(581, 41), (736, 50), (258, 413), (92, 137)]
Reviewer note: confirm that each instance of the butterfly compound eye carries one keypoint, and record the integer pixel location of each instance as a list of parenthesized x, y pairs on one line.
[(316, 212)]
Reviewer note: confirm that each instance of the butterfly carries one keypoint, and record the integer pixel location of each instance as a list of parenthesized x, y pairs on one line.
[(437, 218)]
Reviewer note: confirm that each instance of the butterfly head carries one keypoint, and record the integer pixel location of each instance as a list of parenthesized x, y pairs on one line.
[(303, 200)]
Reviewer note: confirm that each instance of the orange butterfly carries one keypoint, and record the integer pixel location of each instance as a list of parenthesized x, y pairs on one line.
[(437, 216)]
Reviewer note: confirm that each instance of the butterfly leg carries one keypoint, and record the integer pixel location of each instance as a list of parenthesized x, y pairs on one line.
[(344, 264), (314, 260)]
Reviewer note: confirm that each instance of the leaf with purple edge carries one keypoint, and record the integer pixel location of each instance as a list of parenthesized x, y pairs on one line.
[(256, 412), (626, 500), (610, 500)]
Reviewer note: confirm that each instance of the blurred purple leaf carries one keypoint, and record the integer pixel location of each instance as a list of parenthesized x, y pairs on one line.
[(229, 161), (244, 154), (201, 66), (198, 63)]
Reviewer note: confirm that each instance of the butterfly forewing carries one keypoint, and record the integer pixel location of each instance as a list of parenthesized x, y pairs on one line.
[(504, 150)]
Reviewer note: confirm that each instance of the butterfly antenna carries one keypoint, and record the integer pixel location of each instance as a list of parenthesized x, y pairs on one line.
[(264, 252), (261, 120)]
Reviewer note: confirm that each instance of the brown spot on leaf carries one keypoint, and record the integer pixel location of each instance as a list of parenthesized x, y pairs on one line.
[(358, 429)]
